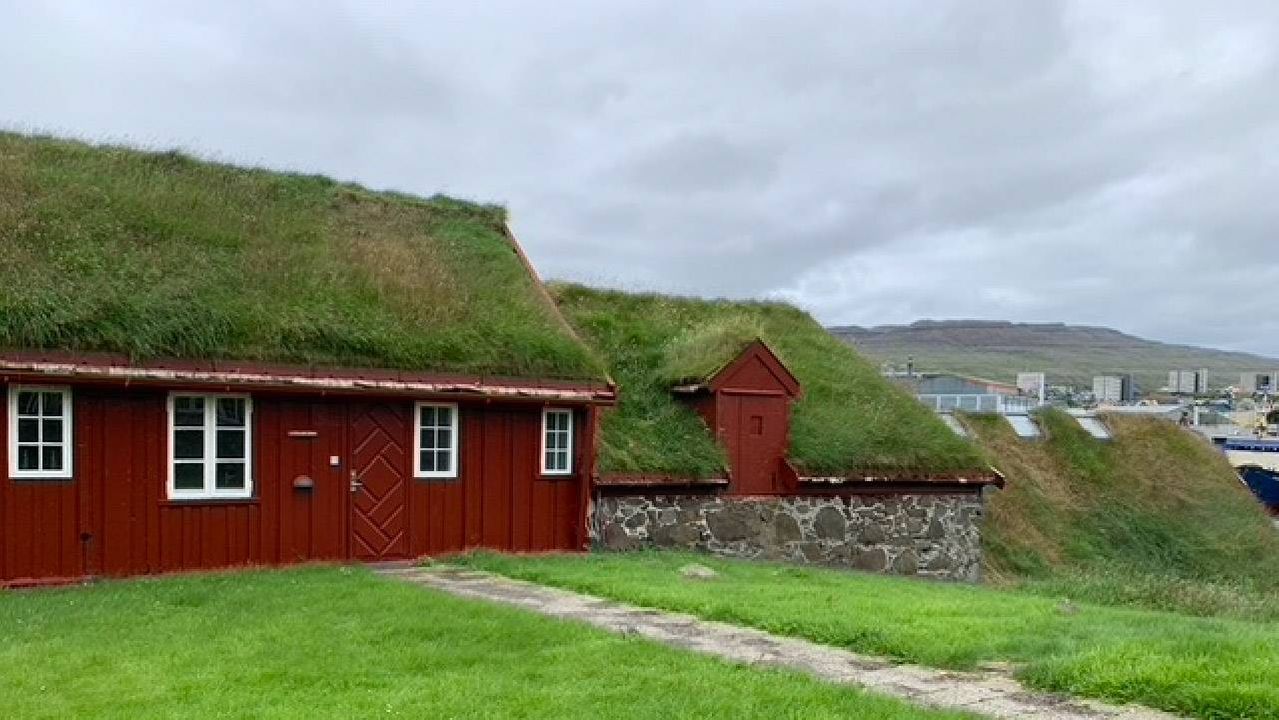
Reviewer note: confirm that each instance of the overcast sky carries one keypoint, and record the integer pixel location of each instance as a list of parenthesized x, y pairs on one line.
[(874, 162)]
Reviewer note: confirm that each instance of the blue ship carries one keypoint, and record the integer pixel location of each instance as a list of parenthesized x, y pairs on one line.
[(1257, 462)]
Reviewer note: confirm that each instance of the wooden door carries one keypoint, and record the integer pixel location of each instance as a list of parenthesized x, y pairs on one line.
[(379, 480), (303, 443), (757, 442)]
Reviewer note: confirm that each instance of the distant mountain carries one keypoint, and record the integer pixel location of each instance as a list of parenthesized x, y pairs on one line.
[(1070, 354)]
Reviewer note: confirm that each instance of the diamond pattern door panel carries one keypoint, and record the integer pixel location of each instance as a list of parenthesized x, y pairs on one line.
[(379, 500)]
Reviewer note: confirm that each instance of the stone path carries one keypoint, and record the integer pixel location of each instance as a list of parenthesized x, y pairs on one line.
[(993, 694)]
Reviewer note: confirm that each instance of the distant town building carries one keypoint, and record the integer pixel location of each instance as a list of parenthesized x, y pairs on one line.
[(1108, 389), (945, 392), (1033, 384), (1188, 382), (1259, 382)]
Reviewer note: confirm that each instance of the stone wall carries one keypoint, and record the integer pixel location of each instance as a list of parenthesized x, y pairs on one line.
[(931, 535)]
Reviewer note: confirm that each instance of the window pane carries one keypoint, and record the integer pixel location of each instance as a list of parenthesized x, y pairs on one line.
[(51, 430), (188, 476), (229, 476), (28, 457), (428, 461), (188, 444), (28, 403), (28, 430), (427, 416), (52, 457), (428, 439), (188, 411), (231, 412), (442, 460), (550, 460), (53, 403), (444, 416), (443, 438), (231, 444)]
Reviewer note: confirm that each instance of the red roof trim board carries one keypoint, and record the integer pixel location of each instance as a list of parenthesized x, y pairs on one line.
[(758, 350), (114, 369), (541, 286)]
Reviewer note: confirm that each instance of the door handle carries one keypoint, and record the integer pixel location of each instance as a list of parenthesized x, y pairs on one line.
[(356, 481)]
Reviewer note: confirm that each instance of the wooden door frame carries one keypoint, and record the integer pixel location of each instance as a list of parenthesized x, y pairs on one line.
[(353, 408)]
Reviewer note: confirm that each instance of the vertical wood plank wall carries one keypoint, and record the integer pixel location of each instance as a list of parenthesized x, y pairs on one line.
[(113, 518)]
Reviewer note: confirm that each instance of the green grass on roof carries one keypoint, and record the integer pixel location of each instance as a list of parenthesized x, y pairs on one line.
[(160, 255), (1157, 500), (696, 355), (849, 418)]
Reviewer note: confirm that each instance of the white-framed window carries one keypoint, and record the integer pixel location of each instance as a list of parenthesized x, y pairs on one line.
[(210, 446), (435, 444), (40, 432), (557, 441)]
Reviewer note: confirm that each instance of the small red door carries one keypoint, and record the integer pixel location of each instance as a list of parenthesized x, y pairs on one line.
[(757, 441), (379, 481)]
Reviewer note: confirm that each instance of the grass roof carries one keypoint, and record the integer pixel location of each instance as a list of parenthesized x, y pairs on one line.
[(849, 417), (1157, 500), (160, 255)]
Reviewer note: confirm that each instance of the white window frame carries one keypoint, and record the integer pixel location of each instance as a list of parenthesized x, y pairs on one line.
[(68, 450), (451, 472), (210, 490), (568, 469)]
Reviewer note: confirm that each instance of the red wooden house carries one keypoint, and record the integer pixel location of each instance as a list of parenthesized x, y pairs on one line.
[(121, 464)]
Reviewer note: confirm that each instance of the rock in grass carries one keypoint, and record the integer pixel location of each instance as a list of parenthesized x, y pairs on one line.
[(694, 571), (1068, 608)]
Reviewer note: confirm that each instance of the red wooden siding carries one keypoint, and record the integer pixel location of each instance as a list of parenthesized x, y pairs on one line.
[(755, 433), (748, 407), (114, 519), (499, 501)]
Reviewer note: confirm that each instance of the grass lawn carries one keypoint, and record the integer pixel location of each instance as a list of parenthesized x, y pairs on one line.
[(327, 642), (1204, 667)]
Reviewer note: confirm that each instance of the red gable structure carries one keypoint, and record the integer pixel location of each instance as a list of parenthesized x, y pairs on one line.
[(747, 406)]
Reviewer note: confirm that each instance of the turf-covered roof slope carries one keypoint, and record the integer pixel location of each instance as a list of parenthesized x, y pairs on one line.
[(158, 255), (849, 419)]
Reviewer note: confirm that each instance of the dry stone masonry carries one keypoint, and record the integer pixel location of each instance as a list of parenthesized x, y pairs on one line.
[(909, 534)]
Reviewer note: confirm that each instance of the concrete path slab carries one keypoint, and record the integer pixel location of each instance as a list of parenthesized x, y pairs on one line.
[(993, 694)]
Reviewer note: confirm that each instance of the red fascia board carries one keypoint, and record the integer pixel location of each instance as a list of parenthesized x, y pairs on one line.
[(117, 370), (758, 349)]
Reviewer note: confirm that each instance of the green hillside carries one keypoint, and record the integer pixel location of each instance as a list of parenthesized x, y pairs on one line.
[(160, 255), (1069, 354), (848, 419), (1154, 517)]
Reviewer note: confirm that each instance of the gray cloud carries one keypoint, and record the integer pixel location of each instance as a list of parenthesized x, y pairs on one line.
[(874, 162)]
